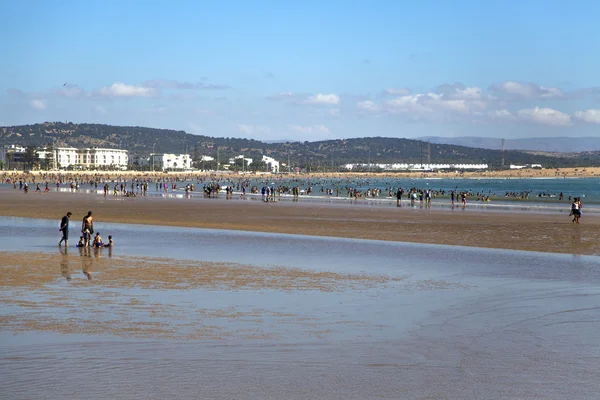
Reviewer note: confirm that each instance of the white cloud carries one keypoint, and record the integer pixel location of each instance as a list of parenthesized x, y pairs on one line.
[(322, 129), (282, 96), (469, 93), (502, 113), (545, 116), (319, 98), (119, 89), (526, 91), (38, 104), (252, 129), (397, 92), (368, 106), (71, 91), (334, 112), (592, 116)]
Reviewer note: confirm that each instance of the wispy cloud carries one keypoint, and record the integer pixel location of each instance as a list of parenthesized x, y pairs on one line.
[(319, 99), (119, 89), (38, 104), (591, 116), (545, 116), (513, 90), (318, 129), (173, 84)]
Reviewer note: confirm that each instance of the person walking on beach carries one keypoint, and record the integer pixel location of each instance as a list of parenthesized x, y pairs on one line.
[(64, 228), (576, 210), (87, 228)]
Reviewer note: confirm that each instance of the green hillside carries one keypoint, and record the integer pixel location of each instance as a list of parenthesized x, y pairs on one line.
[(322, 155)]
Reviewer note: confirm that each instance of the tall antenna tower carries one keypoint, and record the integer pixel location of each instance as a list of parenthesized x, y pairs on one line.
[(502, 153), (429, 152)]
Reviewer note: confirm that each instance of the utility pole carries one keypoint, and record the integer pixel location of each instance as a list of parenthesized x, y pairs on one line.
[(331, 160), (218, 158), (421, 151), (369, 161), (153, 156), (289, 166), (502, 154), (429, 152)]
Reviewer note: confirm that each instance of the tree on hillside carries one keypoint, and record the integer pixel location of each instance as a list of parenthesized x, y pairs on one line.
[(30, 156)]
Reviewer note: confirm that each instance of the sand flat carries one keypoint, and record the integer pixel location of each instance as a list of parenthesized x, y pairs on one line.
[(506, 230)]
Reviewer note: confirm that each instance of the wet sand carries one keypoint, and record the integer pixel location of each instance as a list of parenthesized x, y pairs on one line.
[(260, 316), (542, 232)]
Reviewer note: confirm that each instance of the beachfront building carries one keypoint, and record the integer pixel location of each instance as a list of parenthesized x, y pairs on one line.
[(417, 167), (272, 164), (247, 160), (90, 158), (94, 157), (169, 161), (66, 157), (512, 166)]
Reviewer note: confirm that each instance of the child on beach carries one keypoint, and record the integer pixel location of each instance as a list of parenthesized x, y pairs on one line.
[(98, 240), (110, 242), (81, 242)]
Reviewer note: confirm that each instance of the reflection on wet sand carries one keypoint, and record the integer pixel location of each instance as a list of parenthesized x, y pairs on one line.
[(37, 303)]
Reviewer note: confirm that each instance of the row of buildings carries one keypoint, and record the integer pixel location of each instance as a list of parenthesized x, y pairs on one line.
[(94, 158), (417, 167)]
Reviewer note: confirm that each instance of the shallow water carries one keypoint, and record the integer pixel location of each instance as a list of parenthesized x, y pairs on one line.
[(449, 323)]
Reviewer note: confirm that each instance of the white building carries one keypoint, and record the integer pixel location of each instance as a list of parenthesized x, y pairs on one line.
[(94, 157), (512, 166), (167, 161), (66, 156), (88, 158), (417, 167), (247, 160), (271, 163)]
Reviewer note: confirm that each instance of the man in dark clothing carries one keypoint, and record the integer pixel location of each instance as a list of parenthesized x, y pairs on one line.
[(64, 228)]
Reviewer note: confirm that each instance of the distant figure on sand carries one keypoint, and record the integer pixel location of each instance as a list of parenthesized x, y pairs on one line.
[(64, 228)]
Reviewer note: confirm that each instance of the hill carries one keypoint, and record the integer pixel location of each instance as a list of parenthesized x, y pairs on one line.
[(320, 155), (551, 144)]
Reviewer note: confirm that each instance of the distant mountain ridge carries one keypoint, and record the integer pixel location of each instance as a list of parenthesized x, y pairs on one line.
[(548, 144), (323, 155)]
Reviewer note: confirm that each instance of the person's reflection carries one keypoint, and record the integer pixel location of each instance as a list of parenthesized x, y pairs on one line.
[(576, 243), (86, 261), (64, 263)]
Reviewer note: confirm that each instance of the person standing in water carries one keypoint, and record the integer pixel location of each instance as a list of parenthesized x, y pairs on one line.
[(64, 228), (87, 228)]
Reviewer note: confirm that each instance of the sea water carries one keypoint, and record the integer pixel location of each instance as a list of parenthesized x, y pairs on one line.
[(460, 323)]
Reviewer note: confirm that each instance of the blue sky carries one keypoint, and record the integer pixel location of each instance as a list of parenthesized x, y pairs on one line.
[(306, 70)]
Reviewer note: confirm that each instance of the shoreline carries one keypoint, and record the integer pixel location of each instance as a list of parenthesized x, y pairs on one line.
[(553, 233), (525, 173)]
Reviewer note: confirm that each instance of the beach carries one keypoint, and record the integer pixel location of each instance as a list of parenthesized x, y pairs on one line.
[(314, 297), (532, 231)]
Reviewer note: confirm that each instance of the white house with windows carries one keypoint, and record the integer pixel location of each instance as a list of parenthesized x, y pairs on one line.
[(66, 156), (94, 157), (89, 158), (167, 161)]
